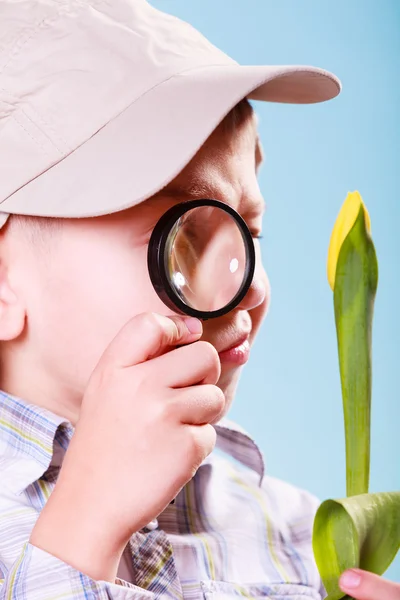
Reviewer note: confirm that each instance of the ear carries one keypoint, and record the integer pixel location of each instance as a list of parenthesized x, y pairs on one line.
[(12, 309)]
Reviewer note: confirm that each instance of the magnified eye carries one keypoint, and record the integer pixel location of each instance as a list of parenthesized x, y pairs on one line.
[(204, 260), (207, 257)]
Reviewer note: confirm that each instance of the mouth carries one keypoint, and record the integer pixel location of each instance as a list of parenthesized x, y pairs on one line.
[(237, 353)]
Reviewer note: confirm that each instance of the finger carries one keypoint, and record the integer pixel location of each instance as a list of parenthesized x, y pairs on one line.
[(198, 405), (204, 437), (363, 585), (148, 335), (190, 365)]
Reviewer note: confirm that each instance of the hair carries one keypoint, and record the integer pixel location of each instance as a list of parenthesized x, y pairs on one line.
[(39, 232), (35, 224), (237, 115)]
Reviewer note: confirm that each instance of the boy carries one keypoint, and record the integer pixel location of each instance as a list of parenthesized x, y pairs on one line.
[(111, 113)]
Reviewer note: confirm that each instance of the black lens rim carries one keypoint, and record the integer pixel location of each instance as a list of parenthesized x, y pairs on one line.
[(156, 264)]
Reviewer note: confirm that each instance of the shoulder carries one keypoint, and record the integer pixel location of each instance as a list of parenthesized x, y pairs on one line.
[(294, 508), (291, 509), (294, 502), (292, 505)]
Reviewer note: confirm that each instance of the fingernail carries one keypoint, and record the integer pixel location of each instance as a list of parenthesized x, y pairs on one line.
[(350, 579), (194, 325)]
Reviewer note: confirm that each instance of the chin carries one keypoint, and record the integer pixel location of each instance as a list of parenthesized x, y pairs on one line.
[(228, 383)]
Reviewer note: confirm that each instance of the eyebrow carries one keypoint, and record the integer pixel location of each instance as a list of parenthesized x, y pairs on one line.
[(199, 190)]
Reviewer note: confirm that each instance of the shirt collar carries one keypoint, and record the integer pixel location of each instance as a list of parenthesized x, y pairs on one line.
[(235, 441), (32, 439)]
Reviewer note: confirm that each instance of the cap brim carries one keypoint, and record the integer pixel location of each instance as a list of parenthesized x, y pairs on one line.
[(141, 150)]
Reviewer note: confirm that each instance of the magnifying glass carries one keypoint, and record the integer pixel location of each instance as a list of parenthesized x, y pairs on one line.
[(201, 258)]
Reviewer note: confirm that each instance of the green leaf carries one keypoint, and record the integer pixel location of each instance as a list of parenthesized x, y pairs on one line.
[(361, 531), (356, 281)]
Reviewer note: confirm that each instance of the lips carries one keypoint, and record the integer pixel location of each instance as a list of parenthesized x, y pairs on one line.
[(238, 341), (230, 334), (237, 355), (232, 342)]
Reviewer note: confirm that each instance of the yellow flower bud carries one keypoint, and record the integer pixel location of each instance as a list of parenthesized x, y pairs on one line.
[(344, 222)]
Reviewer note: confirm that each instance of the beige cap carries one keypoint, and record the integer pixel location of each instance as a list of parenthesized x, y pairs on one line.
[(103, 102)]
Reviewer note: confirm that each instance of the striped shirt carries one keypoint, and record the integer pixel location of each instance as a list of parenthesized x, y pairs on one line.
[(231, 532)]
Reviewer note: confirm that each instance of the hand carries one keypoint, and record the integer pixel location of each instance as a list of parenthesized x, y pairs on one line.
[(363, 585), (143, 431)]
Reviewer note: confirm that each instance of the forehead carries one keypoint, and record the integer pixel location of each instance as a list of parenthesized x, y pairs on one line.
[(232, 151)]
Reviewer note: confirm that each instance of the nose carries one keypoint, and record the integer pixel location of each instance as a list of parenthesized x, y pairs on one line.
[(257, 292), (259, 289)]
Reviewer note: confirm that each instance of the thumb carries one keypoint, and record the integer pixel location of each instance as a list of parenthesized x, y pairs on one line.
[(149, 335), (363, 585)]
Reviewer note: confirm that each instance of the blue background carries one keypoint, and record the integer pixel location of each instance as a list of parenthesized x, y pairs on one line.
[(289, 397)]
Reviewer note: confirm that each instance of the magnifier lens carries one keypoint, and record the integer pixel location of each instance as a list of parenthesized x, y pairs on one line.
[(205, 258)]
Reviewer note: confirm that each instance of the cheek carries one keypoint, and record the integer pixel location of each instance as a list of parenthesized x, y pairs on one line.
[(88, 297)]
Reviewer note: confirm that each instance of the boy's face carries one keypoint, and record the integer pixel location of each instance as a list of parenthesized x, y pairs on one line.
[(92, 277)]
